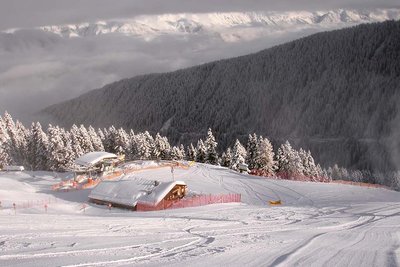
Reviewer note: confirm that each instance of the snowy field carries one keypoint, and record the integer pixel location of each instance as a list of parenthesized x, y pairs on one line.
[(317, 225)]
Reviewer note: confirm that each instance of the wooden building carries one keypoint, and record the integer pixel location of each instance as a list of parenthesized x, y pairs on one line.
[(126, 193), (95, 164)]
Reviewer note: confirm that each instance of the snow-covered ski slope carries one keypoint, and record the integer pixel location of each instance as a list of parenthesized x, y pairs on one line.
[(317, 225)]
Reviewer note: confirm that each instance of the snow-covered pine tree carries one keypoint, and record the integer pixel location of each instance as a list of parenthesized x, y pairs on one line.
[(226, 158), (176, 153), (252, 149), (158, 146), (101, 135), (61, 154), (96, 139), (109, 141), (9, 125), (85, 140), (222, 159), (182, 152), (4, 145), (356, 175), (393, 179), (38, 151), (23, 145), (322, 174), (133, 140), (211, 148), (338, 173), (344, 174), (329, 172), (122, 142), (289, 161), (191, 152), (309, 167), (162, 148), (334, 172), (75, 138), (145, 145), (201, 152), (264, 158), (150, 143), (17, 140), (56, 145), (239, 155), (69, 154)]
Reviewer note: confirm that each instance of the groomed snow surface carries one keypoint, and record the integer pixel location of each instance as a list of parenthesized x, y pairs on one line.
[(317, 225)]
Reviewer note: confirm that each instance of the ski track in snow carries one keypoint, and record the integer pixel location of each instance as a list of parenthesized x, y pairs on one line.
[(318, 225)]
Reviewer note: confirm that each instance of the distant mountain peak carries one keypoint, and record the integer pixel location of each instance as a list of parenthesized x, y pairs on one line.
[(192, 23)]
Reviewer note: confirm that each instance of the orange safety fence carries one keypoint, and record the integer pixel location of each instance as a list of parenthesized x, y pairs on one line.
[(90, 183), (291, 176), (71, 184), (27, 203), (62, 184), (112, 175), (130, 170), (161, 165), (195, 201), (321, 179), (360, 184)]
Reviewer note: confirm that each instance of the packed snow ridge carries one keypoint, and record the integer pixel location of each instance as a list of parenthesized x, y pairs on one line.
[(191, 23)]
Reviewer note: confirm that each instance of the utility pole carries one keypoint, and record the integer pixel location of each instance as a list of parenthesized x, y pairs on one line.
[(172, 172)]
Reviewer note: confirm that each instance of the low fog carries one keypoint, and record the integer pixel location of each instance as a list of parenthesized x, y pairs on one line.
[(39, 69)]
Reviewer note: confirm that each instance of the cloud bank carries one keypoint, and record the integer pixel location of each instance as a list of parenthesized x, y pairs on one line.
[(39, 69), (29, 13)]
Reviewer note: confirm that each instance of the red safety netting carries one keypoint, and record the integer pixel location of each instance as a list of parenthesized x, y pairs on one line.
[(195, 201), (360, 184), (291, 176)]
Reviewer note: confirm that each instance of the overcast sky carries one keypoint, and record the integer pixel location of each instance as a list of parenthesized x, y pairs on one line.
[(38, 69), (28, 13)]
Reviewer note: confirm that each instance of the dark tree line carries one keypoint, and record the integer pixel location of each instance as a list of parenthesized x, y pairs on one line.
[(56, 149)]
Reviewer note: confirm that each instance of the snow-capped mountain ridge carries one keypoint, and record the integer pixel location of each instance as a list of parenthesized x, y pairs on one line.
[(189, 23)]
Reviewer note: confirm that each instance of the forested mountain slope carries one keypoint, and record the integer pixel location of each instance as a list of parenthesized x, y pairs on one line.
[(336, 93)]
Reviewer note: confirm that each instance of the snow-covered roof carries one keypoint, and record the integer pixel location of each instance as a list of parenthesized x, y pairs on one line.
[(125, 192), (129, 192), (92, 158), (159, 192)]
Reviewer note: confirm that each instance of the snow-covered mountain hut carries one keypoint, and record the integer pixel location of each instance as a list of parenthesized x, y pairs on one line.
[(127, 193), (165, 191), (95, 163)]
